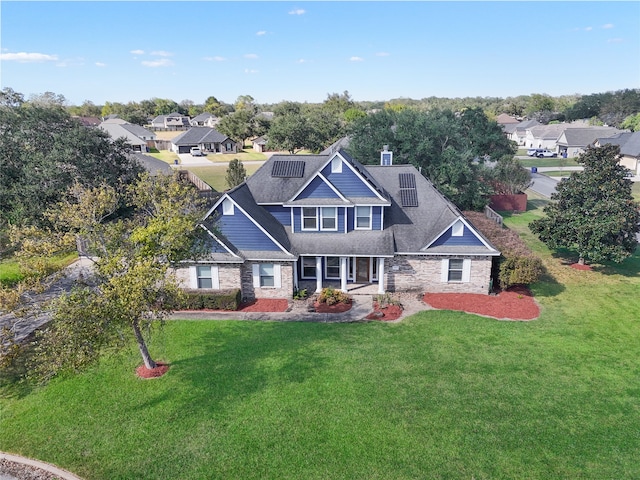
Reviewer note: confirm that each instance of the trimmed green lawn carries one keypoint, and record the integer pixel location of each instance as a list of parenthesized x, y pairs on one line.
[(215, 174), (10, 268), (548, 162), (439, 395)]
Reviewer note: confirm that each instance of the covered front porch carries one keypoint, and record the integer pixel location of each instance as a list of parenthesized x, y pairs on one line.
[(354, 274)]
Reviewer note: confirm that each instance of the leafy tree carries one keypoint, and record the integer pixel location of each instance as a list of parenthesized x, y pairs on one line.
[(215, 107), (593, 211), (236, 173), (43, 151), (632, 122), (238, 125), (165, 106), (132, 285), (289, 129), (508, 177), (444, 145)]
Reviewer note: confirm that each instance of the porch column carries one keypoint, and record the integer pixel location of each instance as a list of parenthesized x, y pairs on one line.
[(296, 286), (343, 273), (380, 275), (318, 274)]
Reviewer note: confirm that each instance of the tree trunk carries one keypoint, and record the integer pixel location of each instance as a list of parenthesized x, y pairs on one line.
[(581, 261), (146, 357)]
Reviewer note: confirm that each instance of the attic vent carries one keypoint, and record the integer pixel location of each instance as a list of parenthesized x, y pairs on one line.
[(408, 191), (288, 169)]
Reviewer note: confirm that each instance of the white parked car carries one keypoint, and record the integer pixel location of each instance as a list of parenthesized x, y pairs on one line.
[(196, 152), (546, 153)]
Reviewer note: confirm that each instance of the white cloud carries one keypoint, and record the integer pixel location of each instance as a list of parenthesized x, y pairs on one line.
[(163, 62), (297, 11), (249, 71), (251, 56), (100, 64), (588, 29), (24, 57), (137, 52), (215, 59), (162, 53), (615, 40), (382, 54), (261, 32), (607, 25), (302, 60), (356, 59)]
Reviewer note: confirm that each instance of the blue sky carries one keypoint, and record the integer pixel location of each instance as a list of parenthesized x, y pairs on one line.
[(301, 51)]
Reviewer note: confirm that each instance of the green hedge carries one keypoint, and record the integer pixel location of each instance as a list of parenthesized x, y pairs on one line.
[(519, 269), (210, 300)]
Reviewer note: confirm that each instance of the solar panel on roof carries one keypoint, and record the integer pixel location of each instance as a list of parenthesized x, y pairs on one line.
[(288, 169), (407, 180), (409, 197)]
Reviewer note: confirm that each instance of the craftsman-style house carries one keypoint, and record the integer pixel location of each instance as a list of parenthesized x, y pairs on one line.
[(312, 221)]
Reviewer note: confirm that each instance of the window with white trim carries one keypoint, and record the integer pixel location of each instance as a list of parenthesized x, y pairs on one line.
[(363, 218), (205, 276), (227, 207), (309, 218), (336, 165), (308, 267), (458, 229), (267, 275), (329, 218), (332, 267), (455, 270)]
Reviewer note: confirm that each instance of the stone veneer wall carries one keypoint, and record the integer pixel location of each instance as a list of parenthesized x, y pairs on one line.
[(249, 292), (228, 275), (423, 273)]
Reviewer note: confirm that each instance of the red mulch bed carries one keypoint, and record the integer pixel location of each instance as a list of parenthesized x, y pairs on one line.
[(577, 266), (515, 303), (143, 372), (265, 305), (337, 308), (388, 313)]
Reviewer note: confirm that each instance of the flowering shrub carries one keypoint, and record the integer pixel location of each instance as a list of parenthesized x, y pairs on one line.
[(331, 296)]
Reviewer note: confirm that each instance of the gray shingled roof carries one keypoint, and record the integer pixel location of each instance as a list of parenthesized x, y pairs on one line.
[(116, 131), (356, 242), (137, 130), (152, 164), (203, 117), (199, 135), (629, 143), (581, 137)]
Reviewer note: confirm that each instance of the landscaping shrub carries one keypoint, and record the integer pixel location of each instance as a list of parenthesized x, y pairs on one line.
[(331, 296), (210, 300), (518, 264)]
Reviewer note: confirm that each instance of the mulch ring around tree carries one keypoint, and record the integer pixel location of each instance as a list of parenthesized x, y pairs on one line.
[(515, 303), (578, 266), (143, 372)]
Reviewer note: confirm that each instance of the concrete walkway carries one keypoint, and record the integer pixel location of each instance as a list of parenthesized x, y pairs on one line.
[(362, 305)]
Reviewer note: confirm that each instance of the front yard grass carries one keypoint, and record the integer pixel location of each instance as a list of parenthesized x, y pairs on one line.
[(548, 162), (439, 395), (215, 174), (10, 267)]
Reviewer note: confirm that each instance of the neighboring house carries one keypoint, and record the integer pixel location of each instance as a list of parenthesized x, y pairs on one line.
[(504, 119), (517, 132), (205, 119), (259, 144), (173, 121), (629, 144), (140, 139), (312, 221), (544, 136), (208, 139), (152, 164), (89, 121), (574, 141)]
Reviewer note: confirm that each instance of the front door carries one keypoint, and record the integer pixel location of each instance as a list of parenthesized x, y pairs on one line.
[(362, 270)]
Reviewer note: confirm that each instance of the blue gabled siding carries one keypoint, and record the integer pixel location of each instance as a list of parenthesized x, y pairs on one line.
[(468, 239), (347, 182), (317, 189), (280, 213), (217, 248), (243, 233)]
